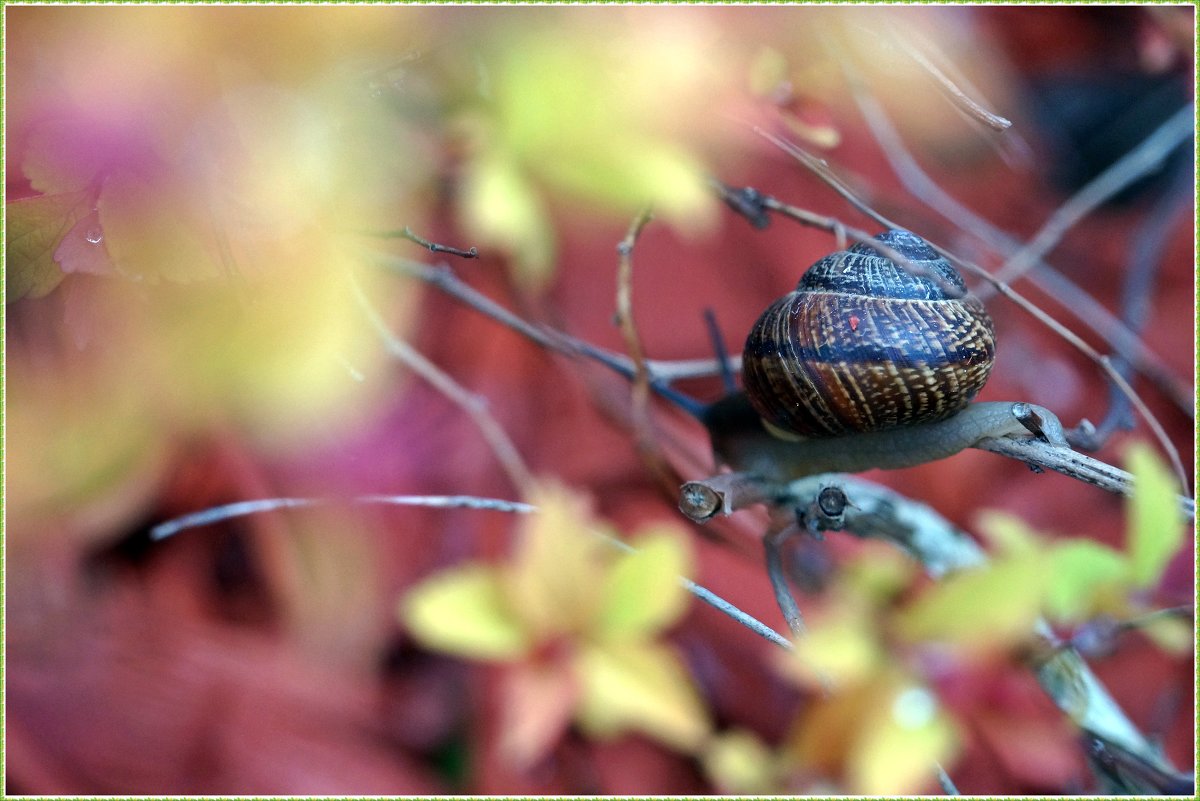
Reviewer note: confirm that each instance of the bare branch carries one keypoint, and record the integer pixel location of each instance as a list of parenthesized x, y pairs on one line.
[(647, 442), (475, 406), (229, 511), (875, 512), (432, 247), (948, 88), (1142, 160)]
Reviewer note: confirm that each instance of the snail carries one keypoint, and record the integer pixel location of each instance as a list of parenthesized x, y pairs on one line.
[(868, 363)]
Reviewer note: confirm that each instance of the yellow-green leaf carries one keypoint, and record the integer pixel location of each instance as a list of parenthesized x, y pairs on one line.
[(1085, 577), (153, 229), (740, 764), (898, 750), (992, 606), (1170, 633), (1156, 530), (1008, 535), (642, 592), (463, 612), (557, 573), (502, 210), (642, 687), (35, 227), (836, 652)]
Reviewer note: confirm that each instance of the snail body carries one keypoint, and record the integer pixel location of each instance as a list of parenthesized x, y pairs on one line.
[(740, 440), (867, 344)]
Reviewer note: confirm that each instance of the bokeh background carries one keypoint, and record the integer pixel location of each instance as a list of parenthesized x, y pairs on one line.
[(190, 191)]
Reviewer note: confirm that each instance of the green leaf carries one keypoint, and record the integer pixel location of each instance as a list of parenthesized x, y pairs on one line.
[(642, 687), (988, 607), (463, 612), (1156, 531), (642, 592), (1083, 576), (35, 227)]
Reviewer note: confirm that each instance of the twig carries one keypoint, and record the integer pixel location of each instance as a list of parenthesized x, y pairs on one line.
[(1149, 241), (432, 247), (1142, 160), (647, 443), (661, 373), (944, 781), (474, 405), (955, 95), (1031, 451), (218, 514), (772, 549), (229, 511)]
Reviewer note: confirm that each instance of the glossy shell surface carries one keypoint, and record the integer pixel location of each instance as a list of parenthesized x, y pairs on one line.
[(866, 344)]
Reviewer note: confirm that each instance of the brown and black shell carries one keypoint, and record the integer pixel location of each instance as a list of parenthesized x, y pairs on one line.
[(866, 344)]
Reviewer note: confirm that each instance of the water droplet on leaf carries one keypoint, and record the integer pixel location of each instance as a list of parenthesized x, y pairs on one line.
[(95, 236)]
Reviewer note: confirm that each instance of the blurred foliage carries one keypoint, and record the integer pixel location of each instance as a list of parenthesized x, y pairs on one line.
[(577, 622), (588, 120)]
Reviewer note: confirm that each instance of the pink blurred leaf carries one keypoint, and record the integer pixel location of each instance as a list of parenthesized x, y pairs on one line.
[(539, 700)]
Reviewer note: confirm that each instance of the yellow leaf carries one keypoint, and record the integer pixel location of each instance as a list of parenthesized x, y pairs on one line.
[(642, 592), (1171, 634), (557, 573), (989, 607), (899, 747), (740, 764), (879, 573), (1008, 535), (839, 651), (463, 612), (1156, 530), (642, 687)]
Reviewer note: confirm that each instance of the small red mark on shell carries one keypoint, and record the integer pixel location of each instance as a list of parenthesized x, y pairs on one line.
[(853, 323)]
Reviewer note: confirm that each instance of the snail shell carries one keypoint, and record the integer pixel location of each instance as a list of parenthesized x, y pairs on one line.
[(866, 344)]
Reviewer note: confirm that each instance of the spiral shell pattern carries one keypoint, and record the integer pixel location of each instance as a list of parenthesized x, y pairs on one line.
[(866, 344)]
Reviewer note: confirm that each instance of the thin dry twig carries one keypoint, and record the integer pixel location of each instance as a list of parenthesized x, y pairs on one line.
[(432, 247), (1145, 158), (229, 511), (961, 100), (474, 405), (218, 514), (647, 442)]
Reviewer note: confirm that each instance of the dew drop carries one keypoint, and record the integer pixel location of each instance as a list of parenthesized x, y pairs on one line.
[(95, 236)]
